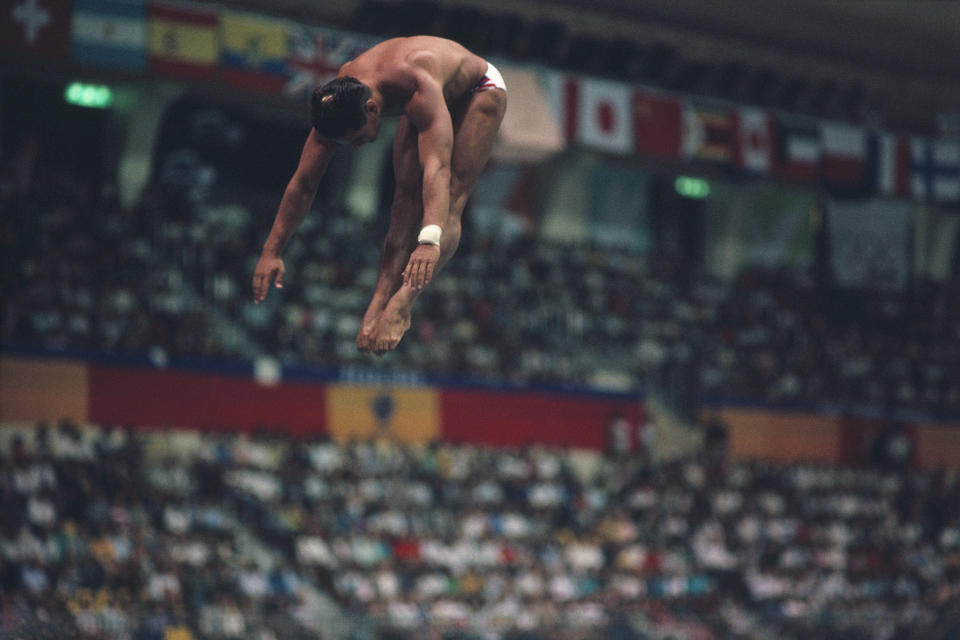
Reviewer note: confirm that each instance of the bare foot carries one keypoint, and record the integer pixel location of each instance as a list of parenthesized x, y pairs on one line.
[(368, 327), (393, 323)]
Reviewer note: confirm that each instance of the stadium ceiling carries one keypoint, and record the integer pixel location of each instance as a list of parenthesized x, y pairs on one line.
[(906, 50), (913, 36), (904, 36)]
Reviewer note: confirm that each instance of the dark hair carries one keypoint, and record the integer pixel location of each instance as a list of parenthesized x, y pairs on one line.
[(338, 106)]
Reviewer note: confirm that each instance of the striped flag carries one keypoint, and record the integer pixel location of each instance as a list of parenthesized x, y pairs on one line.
[(182, 40), (799, 149), (253, 51), (109, 33), (889, 164), (844, 161), (708, 132), (558, 86)]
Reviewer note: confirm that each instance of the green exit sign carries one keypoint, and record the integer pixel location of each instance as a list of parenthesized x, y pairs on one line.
[(692, 187), (95, 96)]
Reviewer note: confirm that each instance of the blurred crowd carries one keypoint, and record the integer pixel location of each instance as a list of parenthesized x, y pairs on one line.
[(170, 280), (122, 534)]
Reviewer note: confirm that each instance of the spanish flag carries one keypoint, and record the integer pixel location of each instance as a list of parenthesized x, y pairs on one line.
[(182, 40), (254, 51), (404, 414)]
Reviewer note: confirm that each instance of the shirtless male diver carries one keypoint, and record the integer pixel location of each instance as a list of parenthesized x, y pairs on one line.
[(450, 103)]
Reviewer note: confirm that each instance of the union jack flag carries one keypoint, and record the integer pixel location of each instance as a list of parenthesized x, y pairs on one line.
[(316, 55)]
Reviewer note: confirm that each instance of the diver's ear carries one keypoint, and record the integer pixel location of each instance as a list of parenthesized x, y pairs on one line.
[(371, 107)]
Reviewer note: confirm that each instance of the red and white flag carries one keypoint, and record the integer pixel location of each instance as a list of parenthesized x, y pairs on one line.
[(754, 140), (799, 149), (601, 112), (892, 162), (36, 27), (844, 160)]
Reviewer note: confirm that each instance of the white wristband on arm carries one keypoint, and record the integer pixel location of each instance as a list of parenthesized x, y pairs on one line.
[(430, 234)]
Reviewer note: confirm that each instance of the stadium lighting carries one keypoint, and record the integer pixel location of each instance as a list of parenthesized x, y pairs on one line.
[(692, 187), (94, 96)]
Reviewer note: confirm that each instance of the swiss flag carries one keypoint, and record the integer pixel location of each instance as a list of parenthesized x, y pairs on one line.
[(36, 27), (754, 140), (657, 124), (601, 114)]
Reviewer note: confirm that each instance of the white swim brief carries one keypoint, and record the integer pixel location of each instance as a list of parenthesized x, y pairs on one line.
[(490, 80)]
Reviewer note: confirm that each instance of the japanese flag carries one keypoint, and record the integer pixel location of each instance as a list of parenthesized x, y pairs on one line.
[(603, 114)]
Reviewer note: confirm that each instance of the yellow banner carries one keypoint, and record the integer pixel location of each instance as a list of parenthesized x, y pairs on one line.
[(785, 437), (183, 42), (403, 414), (39, 389), (255, 39)]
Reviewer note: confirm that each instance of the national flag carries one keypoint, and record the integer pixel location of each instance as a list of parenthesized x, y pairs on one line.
[(370, 412), (799, 149), (599, 114), (182, 40), (936, 170), (657, 124), (253, 51), (754, 140), (561, 92), (888, 164), (844, 161), (109, 33), (36, 27), (708, 132), (316, 55)]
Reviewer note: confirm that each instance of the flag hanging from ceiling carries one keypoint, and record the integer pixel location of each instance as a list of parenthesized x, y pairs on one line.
[(316, 55), (36, 27), (935, 166), (798, 150), (253, 52), (845, 158), (109, 33), (182, 40), (888, 164), (754, 140), (600, 114), (708, 132), (657, 124)]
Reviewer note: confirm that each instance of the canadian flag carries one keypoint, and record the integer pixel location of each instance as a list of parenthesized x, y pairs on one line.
[(754, 140), (600, 113)]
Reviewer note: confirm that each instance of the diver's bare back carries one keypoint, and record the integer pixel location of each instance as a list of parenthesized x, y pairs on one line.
[(393, 66)]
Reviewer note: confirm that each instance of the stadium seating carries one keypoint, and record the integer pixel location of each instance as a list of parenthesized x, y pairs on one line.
[(89, 277), (116, 533)]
